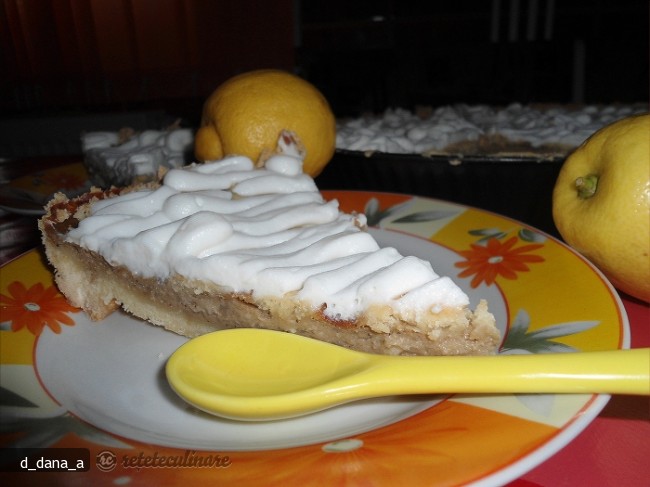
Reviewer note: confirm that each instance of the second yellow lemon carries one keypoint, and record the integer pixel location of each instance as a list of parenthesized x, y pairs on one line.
[(601, 203), (246, 114)]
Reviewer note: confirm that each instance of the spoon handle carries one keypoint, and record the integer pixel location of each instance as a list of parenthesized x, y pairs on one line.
[(607, 372)]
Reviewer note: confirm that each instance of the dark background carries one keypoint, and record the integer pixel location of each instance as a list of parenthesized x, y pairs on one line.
[(71, 66), (407, 52), (92, 56)]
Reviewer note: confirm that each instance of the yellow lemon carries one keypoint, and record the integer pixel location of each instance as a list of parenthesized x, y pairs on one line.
[(246, 114), (601, 203)]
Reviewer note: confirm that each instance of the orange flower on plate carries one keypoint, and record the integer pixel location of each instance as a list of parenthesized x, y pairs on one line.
[(496, 258), (35, 308)]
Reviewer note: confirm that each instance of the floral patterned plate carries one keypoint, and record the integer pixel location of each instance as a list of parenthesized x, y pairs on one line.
[(27, 195), (67, 382)]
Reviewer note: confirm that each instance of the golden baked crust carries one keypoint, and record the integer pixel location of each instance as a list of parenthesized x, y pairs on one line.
[(192, 307)]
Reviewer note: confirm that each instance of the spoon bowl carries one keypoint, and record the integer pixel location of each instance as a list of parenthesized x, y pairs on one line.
[(256, 375)]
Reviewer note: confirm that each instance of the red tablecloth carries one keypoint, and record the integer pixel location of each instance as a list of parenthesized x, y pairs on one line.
[(614, 450)]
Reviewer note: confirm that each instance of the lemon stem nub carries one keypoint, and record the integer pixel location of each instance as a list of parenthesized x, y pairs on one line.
[(587, 186)]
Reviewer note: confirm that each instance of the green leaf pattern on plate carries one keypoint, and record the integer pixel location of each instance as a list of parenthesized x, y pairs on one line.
[(520, 340), (525, 234), (376, 216)]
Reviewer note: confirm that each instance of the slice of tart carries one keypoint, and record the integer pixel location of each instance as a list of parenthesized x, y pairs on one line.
[(230, 244)]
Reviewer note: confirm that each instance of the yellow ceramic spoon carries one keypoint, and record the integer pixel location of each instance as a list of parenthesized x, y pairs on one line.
[(251, 374)]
